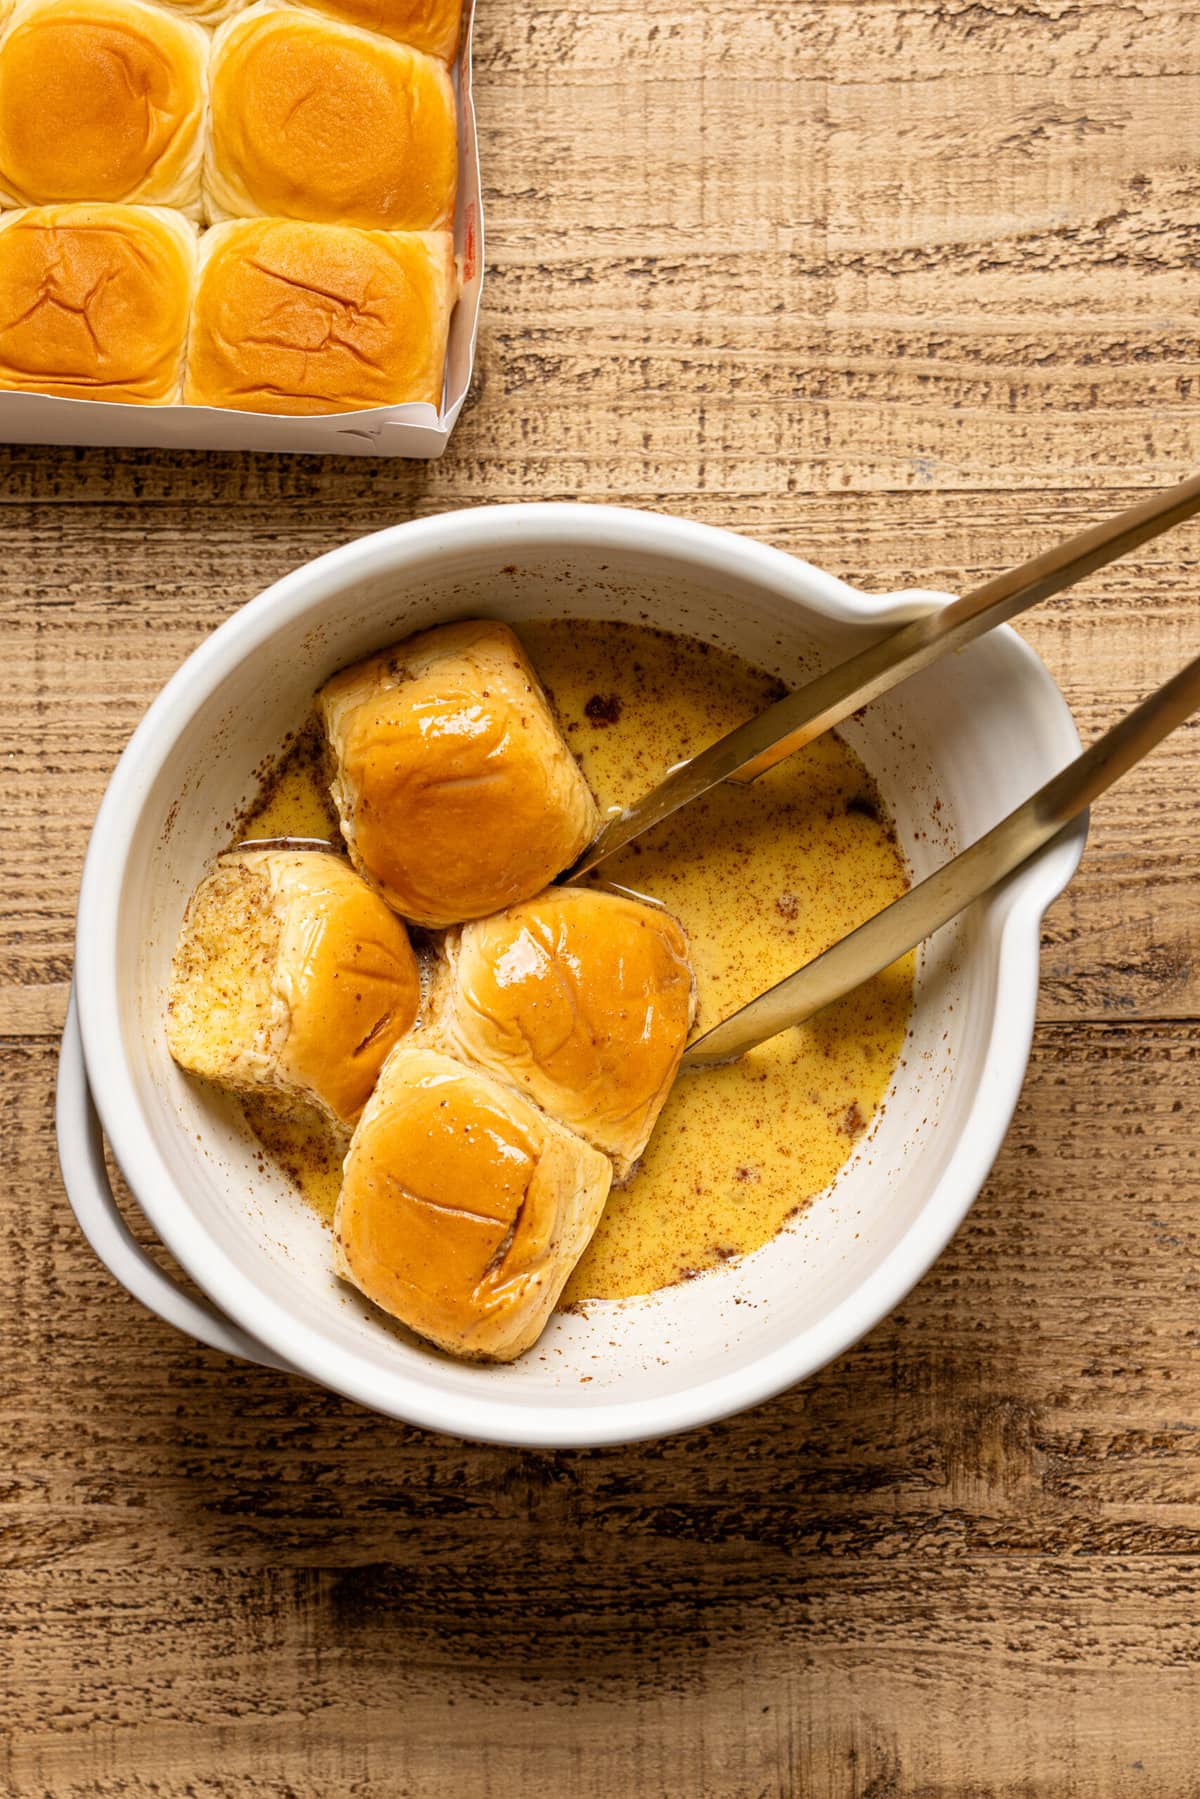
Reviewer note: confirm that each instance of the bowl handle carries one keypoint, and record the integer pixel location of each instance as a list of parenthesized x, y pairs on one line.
[(81, 1159)]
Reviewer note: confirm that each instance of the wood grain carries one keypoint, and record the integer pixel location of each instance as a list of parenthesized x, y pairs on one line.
[(907, 288)]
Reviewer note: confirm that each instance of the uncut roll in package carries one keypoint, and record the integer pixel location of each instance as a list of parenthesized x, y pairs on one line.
[(191, 297)]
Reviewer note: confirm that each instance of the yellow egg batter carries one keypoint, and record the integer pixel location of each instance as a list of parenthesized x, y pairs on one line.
[(763, 878)]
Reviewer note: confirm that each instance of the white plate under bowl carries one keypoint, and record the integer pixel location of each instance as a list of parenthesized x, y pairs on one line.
[(952, 750)]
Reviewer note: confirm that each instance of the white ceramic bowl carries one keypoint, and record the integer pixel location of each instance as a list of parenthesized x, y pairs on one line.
[(952, 750)]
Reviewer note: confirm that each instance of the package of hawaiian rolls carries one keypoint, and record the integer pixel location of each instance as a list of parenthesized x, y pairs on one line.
[(282, 250)]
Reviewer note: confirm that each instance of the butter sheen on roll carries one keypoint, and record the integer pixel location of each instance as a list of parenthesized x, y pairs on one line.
[(429, 25), (581, 998), (463, 1209), (290, 979), (101, 100), (300, 319), (455, 789), (94, 302), (319, 120)]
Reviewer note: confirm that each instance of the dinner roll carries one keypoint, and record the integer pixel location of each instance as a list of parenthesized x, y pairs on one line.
[(430, 25), (581, 998), (290, 978), (94, 302), (455, 789), (463, 1209), (101, 100), (316, 120), (296, 318)]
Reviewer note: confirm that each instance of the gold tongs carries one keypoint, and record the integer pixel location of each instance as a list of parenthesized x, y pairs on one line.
[(925, 908), (824, 702)]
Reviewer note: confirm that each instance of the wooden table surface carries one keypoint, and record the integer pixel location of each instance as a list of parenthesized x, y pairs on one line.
[(907, 287)]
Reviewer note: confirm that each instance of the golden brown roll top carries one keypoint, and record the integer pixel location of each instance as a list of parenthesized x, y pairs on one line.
[(429, 25), (318, 120), (456, 791), (463, 1209), (94, 302), (291, 978), (581, 998), (101, 100), (296, 318)]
